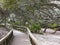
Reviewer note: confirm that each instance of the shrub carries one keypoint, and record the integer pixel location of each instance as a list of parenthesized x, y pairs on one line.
[(53, 25), (35, 28)]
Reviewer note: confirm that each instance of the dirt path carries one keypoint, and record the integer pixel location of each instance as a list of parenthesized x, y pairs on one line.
[(20, 38), (48, 38)]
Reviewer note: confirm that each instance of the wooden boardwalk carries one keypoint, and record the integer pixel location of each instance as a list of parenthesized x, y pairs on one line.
[(20, 38)]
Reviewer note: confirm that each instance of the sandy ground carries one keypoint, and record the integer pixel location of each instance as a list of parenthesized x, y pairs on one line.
[(48, 38), (3, 32)]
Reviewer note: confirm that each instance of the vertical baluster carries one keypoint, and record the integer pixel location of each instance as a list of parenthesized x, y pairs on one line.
[(5, 42), (2, 44)]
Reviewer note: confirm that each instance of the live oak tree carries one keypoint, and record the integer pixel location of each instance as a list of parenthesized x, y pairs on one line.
[(33, 11)]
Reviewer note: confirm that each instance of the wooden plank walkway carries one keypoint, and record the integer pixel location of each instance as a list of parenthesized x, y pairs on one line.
[(20, 38)]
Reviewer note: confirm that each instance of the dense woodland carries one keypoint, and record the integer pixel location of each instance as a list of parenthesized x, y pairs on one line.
[(35, 14)]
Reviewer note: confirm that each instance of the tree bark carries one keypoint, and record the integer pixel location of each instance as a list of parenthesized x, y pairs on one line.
[(45, 29)]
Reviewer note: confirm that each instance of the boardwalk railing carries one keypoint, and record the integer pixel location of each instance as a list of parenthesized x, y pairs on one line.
[(5, 40), (33, 40)]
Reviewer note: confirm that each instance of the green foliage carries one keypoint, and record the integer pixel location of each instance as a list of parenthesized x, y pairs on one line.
[(10, 4), (52, 25), (17, 23), (2, 26), (29, 9), (35, 27)]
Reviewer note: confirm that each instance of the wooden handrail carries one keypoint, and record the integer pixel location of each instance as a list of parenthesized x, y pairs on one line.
[(33, 40), (6, 38)]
